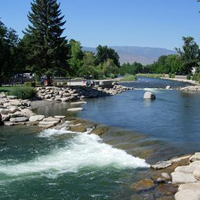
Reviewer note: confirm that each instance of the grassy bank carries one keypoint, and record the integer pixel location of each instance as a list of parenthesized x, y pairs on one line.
[(128, 77), (151, 75), (21, 92)]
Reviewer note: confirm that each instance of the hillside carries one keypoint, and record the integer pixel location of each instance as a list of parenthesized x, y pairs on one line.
[(131, 54)]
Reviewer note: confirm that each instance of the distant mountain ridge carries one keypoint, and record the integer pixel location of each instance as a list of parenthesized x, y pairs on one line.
[(131, 54)]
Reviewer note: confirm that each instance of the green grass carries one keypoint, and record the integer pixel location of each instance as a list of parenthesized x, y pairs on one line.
[(22, 92), (129, 77), (151, 75)]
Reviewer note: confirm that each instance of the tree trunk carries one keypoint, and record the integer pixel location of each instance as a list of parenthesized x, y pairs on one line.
[(48, 80)]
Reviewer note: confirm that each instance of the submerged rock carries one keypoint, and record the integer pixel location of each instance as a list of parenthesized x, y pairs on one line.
[(145, 184)]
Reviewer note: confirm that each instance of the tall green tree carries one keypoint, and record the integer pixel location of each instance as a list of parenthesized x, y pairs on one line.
[(8, 46), (76, 57), (48, 49), (104, 53), (189, 54)]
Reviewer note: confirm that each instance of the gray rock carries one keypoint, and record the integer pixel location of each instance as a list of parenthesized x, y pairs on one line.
[(168, 87), (149, 95), (166, 176), (195, 187), (5, 118), (186, 195), (179, 159), (75, 109), (47, 124), (15, 102), (78, 102), (60, 117), (189, 168), (195, 157), (180, 178), (161, 165), (4, 111), (19, 119), (196, 174), (13, 109), (36, 118), (51, 119), (28, 113)]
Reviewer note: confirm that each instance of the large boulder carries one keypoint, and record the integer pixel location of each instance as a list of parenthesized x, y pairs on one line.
[(149, 95), (28, 113), (36, 118), (195, 157), (186, 195), (180, 178), (19, 119)]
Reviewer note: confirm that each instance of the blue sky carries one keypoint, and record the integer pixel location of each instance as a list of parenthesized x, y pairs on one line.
[(146, 23)]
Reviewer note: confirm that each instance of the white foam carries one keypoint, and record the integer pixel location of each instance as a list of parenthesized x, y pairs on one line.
[(84, 150)]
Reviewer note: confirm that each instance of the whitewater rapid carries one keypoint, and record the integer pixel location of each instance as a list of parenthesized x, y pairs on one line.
[(83, 150)]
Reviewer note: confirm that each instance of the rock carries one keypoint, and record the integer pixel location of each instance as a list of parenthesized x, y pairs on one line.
[(78, 102), (28, 113), (8, 123), (5, 118), (180, 178), (60, 117), (15, 102), (47, 124), (16, 114), (65, 99), (75, 109), (166, 176), (186, 195), (13, 109), (195, 187), (145, 184), (162, 165), (4, 111), (195, 157), (149, 95), (36, 118), (168, 87), (179, 159), (196, 174), (19, 119), (189, 168), (51, 119), (11, 97)]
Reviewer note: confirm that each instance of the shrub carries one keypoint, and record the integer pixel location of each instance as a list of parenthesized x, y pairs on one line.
[(188, 76), (28, 84), (171, 75), (129, 77), (23, 92)]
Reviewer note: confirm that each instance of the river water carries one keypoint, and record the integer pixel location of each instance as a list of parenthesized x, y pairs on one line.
[(59, 164)]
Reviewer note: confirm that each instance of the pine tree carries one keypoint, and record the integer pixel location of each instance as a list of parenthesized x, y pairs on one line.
[(48, 49)]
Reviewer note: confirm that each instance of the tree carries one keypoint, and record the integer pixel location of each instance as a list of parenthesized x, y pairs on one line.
[(104, 53), (8, 46), (48, 49), (76, 57), (189, 54)]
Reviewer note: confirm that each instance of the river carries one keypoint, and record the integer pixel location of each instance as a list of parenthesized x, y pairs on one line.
[(59, 164)]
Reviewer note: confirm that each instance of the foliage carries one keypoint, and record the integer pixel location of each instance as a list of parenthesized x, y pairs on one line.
[(76, 57), (171, 75), (128, 77), (8, 58), (189, 54), (150, 75), (128, 68), (21, 92), (104, 53), (47, 47)]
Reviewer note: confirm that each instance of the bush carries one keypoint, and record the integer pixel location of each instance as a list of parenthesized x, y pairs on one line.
[(129, 77), (188, 76), (23, 92), (171, 75), (28, 84)]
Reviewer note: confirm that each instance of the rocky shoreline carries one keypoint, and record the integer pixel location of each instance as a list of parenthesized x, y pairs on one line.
[(183, 173), (19, 112)]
